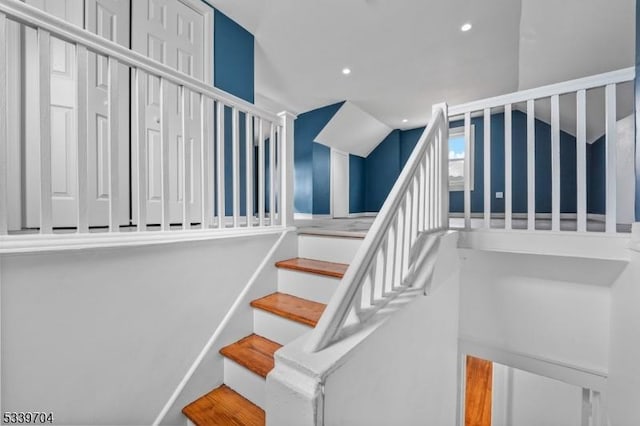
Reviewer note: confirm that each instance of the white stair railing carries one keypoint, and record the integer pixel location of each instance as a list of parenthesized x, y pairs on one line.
[(417, 206), (268, 204), (545, 103)]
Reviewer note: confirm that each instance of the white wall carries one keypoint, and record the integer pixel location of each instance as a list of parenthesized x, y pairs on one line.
[(626, 173), (547, 307), (525, 399), (104, 336), (405, 373), (623, 391)]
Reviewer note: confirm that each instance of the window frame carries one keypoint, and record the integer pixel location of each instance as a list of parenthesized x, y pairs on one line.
[(459, 131)]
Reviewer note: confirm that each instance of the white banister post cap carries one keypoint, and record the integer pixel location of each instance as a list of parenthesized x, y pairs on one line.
[(287, 114)]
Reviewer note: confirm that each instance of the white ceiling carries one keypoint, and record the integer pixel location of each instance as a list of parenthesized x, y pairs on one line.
[(409, 54)]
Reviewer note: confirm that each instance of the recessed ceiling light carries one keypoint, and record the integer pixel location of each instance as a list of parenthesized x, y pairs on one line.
[(466, 27), (404, 120), (346, 71)]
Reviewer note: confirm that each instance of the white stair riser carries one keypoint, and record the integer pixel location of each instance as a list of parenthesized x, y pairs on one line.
[(245, 382), (329, 249), (276, 328), (318, 288)]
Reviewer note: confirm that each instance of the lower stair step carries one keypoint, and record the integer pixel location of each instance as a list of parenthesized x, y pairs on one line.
[(291, 307), (253, 352), (222, 407), (320, 267)]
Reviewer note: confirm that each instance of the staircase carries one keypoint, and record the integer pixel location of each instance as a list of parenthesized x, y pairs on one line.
[(305, 285)]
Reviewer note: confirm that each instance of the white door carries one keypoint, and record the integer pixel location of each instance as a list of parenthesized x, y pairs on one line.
[(339, 183), (170, 32), (109, 18), (63, 118)]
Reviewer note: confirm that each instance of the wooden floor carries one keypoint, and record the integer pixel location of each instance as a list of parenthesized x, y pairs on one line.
[(478, 392)]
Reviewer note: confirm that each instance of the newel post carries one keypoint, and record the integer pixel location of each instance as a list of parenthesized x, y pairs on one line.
[(287, 120), (443, 137)]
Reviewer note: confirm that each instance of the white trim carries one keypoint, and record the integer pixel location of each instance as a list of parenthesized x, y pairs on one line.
[(332, 159), (501, 388), (60, 242), (457, 132), (363, 214), (567, 373), (310, 216), (239, 302), (635, 237), (544, 216), (599, 80)]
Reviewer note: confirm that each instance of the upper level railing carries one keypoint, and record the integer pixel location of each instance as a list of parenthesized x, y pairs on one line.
[(537, 148), (417, 205), (194, 184)]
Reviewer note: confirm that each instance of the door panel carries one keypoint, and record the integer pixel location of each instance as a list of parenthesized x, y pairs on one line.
[(108, 19), (172, 33), (63, 119)]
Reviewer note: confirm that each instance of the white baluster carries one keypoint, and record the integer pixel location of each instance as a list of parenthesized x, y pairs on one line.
[(487, 168), (422, 195), (261, 173), (46, 201), (531, 165), (220, 163), (235, 154), (249, 169), (4, 132), (206, 168), (444, 189), (555, 163), (164, 153), (114, 128), (186, 159), (140, 145), (508, 205), (380, 290), (581, 158), (467, 170), (272, 174), (287, 168), (82, 63), (279, 174), (611, 158)]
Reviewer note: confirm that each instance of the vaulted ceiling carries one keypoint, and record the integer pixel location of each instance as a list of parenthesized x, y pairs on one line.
[(406, 55)]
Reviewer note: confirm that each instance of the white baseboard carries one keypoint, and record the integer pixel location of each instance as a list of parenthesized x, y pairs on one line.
[(363, 214), (542, 216), (309, 216)]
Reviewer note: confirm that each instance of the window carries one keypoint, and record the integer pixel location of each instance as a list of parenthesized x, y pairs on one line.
[(457, 155)]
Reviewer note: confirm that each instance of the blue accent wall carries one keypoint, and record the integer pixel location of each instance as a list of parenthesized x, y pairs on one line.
[(519, 167), (596, 177), (382, 168), (321, 179), (356, 184), (384, 164), (312, 162), (233, 57)]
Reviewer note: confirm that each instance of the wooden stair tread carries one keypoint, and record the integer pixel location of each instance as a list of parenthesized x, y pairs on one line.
[(291, 307), (253, 352), (330, 269), (222, 407)]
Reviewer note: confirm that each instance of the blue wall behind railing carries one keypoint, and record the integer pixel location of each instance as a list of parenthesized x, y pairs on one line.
[(383, 166), (312, 162)]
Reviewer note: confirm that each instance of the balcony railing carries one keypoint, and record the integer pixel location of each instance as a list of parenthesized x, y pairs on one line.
[(194, 184)]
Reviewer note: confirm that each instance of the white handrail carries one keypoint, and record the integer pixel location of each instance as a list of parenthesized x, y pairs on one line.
[(392, 232), (33, 17), (209, 138), (571, 86), (558, 113)]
